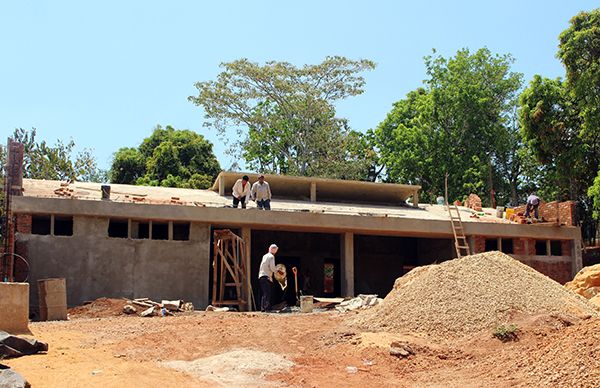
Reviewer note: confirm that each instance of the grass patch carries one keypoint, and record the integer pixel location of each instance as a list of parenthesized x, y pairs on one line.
[(506, 333)]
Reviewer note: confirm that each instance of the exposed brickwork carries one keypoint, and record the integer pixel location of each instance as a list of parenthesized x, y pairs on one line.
[(559, 271), (547, 211), (21, 249), (24, 223), (473, 202), (524, 246), (478, 244), (566, 248)]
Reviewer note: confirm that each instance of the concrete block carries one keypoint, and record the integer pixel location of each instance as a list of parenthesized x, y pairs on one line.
[(53, 299), (14, 308)]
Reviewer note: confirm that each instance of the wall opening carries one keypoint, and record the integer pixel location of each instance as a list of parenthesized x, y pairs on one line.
[(63, 226), (140, 229), (540, 248), (491, 244), (556, 248), (160, 230), (315, 255), (507, 246), (118, 228), (40, 224), (181, 231)]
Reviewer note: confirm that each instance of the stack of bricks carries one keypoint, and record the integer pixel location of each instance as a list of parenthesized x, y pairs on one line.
[(547, 211), (474, 202)]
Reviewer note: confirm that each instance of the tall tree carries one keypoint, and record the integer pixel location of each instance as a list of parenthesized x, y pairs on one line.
[(285, 118), (57, 162), (457, 123), (168, 157)]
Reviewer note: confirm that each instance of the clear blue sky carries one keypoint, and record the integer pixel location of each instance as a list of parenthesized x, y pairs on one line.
[(104, 73)]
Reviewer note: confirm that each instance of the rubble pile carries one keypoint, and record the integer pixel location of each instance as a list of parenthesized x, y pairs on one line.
[(143, 307), (462, 297), (587, 284), (362, 301)]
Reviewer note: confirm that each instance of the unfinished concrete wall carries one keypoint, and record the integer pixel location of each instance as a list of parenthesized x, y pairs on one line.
[(95, 265), (14, 307)]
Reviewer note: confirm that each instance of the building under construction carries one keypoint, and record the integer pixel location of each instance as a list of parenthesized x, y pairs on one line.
[(344, 237)]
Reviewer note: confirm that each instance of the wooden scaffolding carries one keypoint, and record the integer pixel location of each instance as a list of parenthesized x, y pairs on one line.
[(231, 271)]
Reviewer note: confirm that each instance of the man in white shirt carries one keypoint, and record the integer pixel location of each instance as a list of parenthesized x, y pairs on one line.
[(240, 191), (261, 193), (533, 202), (265, 273)]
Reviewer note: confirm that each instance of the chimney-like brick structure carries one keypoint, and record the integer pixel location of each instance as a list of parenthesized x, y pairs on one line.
[(13, 187)]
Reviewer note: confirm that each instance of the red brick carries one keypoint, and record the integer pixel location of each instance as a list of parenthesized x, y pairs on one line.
[(23, 223)]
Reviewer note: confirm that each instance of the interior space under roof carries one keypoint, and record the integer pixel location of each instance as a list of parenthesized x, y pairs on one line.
[(332, 190)]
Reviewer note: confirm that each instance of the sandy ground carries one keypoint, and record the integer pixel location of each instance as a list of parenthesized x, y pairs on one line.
[(304, 350)]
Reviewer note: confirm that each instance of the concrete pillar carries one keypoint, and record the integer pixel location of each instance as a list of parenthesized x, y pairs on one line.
[(347, 263), (221, 186), (577, 260), (415, 198), (247, 236), (313, 191), (170, 231)]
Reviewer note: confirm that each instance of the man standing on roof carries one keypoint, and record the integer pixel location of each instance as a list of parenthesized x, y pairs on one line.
[(240, 191), (265, 273), (261, 193), (533, 201)]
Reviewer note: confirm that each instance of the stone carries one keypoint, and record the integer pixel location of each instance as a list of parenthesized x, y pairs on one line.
[(13, 346), (587, 282), (11, 379), (129, 309), (596, 300), (148, 312), (401, 349)]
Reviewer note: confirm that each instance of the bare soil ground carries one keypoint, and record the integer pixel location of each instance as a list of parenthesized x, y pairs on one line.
[(303, 350)]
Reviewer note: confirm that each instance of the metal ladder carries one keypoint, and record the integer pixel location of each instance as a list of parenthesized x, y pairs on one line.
[(460, 241)]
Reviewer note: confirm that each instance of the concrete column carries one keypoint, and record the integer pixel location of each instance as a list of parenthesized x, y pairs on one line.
[(170, 231), (313, 191), (247, 236), (52, 225), (221, 186), (416, 198), (577, 260), (347, 263)]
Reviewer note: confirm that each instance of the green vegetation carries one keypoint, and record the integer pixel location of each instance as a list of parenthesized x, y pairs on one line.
[(506, 333), (285, 118), (169, 157)]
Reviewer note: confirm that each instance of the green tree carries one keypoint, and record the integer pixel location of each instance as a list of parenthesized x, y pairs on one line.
[(457, 123), (284, 115), (170, 158), (57, 162)]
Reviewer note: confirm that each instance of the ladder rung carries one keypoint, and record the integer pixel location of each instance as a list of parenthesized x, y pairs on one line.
[(462, 247), (232, 284)]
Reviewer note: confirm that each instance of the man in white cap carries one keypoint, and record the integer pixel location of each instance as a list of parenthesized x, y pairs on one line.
[(265, 274)]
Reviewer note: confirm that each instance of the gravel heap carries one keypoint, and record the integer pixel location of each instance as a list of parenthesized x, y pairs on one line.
[(465, 296)]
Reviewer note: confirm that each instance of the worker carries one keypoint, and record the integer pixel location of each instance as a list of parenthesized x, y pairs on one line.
[(241, 191), (265, 277), (533, 201), (261, 193)]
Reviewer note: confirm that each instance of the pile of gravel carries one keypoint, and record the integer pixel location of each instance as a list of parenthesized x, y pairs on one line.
[(468, 295)]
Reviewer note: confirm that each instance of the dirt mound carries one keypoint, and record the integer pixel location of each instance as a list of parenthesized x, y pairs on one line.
[(99, 308), (465, 296), (587, 283)]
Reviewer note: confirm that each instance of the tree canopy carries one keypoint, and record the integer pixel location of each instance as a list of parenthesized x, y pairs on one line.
[(169, 157), (458, 123), (285, 118), (55, 162)]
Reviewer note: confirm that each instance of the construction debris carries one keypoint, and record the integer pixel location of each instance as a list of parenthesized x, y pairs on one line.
[(401, 349), (13, 346), (11, 379), (129, 309), (210, 307), (362, 301), (145, 307), (466, 296)]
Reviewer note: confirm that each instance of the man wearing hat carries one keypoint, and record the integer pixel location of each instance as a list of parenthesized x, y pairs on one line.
[(261, 193), (265, 273)]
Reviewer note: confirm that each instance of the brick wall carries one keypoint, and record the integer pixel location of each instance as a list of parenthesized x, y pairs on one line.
[(547, 211), (559, 271), (23, 223), (478, 244), (524, 246), (566, 248)]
